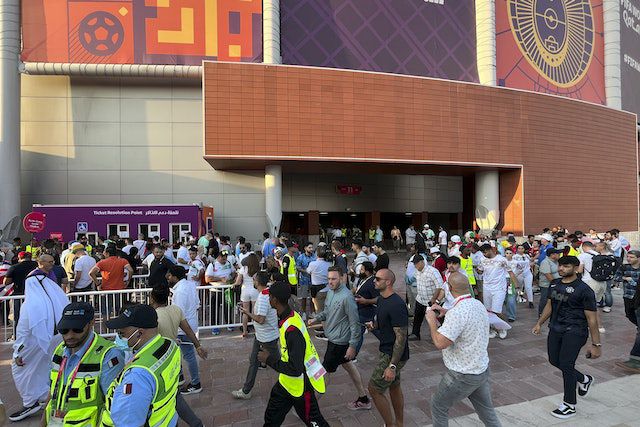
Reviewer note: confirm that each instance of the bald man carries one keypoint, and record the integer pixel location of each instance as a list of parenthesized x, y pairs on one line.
[(391, 328), (463, 340)]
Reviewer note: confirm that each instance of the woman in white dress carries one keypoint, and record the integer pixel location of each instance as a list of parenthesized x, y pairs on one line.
[(248, 293)]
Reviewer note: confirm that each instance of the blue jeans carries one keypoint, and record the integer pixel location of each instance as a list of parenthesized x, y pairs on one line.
[(189, 353), (511, 306), (544, 295), (455, 387)]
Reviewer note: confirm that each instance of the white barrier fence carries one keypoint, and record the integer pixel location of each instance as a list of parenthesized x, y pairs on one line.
[(218, 307)]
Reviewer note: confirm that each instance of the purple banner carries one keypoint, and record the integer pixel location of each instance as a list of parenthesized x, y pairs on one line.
[(415, 37)]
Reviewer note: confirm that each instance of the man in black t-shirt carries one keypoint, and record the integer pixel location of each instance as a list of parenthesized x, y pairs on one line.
[(382, 260), (571, 305), (159, 268), (17, 275), (392, 327), (366, 296)]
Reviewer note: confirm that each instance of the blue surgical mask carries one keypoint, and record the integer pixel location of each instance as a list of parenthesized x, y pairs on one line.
[(123, 343)]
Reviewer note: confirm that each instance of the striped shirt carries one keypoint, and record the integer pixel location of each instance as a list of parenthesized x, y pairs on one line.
[(427, 282)]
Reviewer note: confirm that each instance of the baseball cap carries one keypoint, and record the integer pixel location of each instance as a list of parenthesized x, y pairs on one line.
[(140, 316), (23, 254), (434, 250), (76, 248), (455, 238), (425, 226), (552, 251), (76, 316), (546, 236)]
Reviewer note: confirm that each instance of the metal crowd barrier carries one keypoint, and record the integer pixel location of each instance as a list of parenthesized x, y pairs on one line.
[(218, 307)]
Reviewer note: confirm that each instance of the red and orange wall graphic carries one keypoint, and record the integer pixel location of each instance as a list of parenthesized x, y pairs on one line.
[(182, 32)]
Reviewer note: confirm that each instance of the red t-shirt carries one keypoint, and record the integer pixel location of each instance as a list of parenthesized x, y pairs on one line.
[(112, 270)]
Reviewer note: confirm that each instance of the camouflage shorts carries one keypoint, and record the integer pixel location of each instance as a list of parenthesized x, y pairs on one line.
[(377, 380)]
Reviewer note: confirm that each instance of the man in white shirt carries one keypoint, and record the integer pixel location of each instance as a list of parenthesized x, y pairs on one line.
[(196, 266), (127, 247), (442, 240), (428, 280), (463, 341), (586, 265), (410, 237), (83, 265), (494, 269), (140, 243), (185, 296), (183, 255), (220, 270)]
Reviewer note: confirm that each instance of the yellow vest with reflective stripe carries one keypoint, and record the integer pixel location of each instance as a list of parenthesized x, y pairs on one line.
[(295, 385), (291, 273), (161, 358), (85, 398), (467, 265)]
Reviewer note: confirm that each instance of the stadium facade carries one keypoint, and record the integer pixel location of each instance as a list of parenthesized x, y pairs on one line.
[(296, 114)]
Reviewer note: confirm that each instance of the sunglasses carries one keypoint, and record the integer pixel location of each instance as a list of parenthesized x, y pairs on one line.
[(75, 330)]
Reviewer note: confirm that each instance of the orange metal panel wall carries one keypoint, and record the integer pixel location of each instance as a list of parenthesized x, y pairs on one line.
[(579, 160)]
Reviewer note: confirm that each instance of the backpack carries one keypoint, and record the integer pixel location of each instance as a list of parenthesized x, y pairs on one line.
[(604, 267)]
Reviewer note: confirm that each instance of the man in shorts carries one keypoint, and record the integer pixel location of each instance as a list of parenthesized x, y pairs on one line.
[(342, 329), (392, 329)]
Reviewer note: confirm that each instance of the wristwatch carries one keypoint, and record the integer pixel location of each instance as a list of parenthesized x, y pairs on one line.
[(392, 366), (596, 345)]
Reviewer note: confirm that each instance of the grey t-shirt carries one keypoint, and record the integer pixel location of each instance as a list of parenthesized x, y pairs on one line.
[(547, 266)]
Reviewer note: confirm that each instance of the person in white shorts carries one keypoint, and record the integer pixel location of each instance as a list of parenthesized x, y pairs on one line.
[(494, 268), (248, 293)]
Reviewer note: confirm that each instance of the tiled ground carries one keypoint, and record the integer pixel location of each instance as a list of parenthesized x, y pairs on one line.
[(520, 372)]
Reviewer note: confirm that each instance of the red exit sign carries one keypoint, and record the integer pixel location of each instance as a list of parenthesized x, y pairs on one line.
[(350, 190)]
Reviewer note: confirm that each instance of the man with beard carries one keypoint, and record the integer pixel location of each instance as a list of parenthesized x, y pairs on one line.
[(83, 351)]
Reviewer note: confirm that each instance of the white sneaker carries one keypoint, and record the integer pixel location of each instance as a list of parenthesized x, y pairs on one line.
[(607, 309), (239, 394), (492, 334), (502, 333), (602, 330)]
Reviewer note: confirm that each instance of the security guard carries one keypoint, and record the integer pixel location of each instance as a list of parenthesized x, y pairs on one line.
[(301, 373), (83, 368), (288, 268), (145, 392)]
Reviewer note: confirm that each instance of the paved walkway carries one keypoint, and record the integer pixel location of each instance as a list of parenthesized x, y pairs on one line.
[(614, 403), (520, 375)]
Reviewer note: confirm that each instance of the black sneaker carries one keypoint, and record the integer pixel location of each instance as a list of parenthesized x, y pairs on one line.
[(25, 412), (191, 389), (564, 411), (530, 305), (414, 337), (583, 388)]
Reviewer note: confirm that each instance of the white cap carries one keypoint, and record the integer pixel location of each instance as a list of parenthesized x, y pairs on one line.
[(455, 238), (425, 226), (546, 236), (434, 250)]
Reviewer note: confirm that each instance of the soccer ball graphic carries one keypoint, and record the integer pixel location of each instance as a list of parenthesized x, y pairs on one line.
[(101, 33)]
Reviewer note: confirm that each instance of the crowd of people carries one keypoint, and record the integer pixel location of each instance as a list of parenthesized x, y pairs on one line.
[(290, 291)]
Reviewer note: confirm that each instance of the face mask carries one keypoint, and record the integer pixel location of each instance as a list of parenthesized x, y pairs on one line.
[(123, 343)]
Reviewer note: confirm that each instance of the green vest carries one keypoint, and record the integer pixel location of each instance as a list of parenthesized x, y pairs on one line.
[(82, 400), (467, 265), (161, 358), (291, 273), (295, 385)]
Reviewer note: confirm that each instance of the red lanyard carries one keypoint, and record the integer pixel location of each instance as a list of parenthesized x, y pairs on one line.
[(462, 298), (63, 397)]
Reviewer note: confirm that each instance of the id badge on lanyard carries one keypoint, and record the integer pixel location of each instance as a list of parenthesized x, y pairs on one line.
[(55, 421)]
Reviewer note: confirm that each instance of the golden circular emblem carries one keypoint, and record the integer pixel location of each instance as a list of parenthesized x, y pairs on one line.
[(555, 36)]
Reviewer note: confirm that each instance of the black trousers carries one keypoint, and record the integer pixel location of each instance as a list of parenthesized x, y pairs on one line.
[(418, 318), (563, 350), (306, 406)]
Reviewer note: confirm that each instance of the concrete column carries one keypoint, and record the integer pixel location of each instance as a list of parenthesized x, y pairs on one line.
[(9, 112), (271, 31), (486, 41), (313, 226), (273, 197), (487, 200), (612, 70)]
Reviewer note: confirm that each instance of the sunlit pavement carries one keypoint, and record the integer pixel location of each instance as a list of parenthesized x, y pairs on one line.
[(525, 386)]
